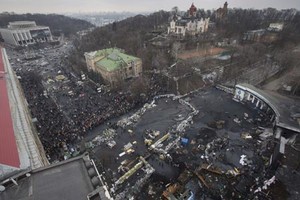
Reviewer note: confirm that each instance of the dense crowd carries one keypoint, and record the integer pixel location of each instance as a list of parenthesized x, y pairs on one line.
[(64, 122)]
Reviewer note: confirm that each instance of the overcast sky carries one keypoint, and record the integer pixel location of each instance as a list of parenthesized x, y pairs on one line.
[(61, 6)]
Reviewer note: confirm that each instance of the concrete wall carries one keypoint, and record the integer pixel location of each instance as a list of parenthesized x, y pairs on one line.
[(8, 37)]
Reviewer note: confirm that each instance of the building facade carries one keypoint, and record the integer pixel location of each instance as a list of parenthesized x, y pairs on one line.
[(268, 35), (22, 33), (254, 35), (188, 25), (277, 27), (113, 64)]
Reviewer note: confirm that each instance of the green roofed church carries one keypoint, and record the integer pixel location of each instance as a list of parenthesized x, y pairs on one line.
[(113, 64)]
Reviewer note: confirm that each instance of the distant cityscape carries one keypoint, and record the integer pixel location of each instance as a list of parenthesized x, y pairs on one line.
[(103, 18)]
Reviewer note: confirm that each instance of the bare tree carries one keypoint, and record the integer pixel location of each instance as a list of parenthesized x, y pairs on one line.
[(175, 10), (175, 50)]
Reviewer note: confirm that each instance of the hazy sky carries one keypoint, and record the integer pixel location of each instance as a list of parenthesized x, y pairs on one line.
[(61, 6)]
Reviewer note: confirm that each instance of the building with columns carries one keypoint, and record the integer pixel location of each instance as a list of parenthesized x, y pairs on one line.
[(283, 112), (190, 25), (22, 33)]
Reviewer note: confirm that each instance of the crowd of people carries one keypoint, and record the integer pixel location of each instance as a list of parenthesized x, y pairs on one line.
[(63, 121)]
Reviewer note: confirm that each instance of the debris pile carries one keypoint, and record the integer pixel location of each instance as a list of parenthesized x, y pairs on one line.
[(107, 137), (128, 121)]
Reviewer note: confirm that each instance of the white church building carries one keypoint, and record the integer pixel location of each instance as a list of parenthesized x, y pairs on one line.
[(190, 25)]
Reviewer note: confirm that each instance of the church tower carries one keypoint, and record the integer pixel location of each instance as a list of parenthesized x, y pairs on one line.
[(192, 11), (225, 7)]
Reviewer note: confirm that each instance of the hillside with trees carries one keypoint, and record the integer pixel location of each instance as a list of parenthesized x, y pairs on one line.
[(241, 20), (57, 23), (130, 34), (135, 34)]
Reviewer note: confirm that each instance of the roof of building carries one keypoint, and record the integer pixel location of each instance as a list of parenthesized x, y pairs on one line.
[(181, 22), (192, 9), (113, 59), (26, 28), (8, 147), (69, 180), (23, 25), (21, 22), (285, 108)]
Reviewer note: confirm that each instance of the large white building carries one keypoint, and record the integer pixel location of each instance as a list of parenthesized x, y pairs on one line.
[(21, 33), (188, 25)]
